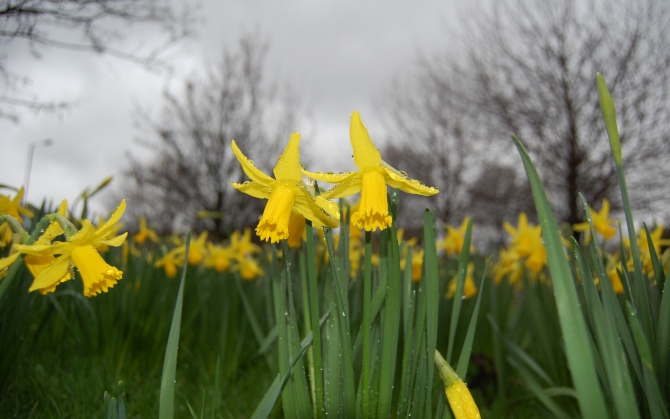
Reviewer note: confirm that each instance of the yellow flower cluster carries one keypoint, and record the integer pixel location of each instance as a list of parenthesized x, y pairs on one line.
[(237, 256)]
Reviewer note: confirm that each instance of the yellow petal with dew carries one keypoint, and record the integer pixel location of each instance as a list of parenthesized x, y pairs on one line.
[(349, 186), (311, 211), (328, 177), (255, 189), (52, 275), (252, 171), (108, 227), (5, 263), (397, 180), (288, 165), (366, 154), (116, 241)]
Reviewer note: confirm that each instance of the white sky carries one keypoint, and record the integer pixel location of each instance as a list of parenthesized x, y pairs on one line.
[(336, 56)]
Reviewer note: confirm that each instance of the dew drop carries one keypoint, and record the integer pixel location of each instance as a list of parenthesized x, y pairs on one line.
[(403, 173)]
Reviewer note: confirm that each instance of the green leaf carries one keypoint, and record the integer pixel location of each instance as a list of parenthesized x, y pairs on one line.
[(457, 301), (466, 350), (166, 402), (573, 326)]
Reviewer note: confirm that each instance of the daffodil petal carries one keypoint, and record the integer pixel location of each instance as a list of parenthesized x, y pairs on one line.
[(109, 225), (252, 171), (413, 186), (311, 211), (348, 186), (116, 241), (52, 274), (366, 154), (54, 230), (7, 262), (288, 165), (43, 249), (330, 207), (254, 189), (328, 177)]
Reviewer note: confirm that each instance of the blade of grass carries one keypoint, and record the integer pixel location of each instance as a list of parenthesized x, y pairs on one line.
[(612, 354), (640, 289), (390, 326), (314, 316), (457, 301), (535, 388), (663, 335), (432, 298), (366, 326), (466, 350), (166, 401), (573, 325), (657, 407)]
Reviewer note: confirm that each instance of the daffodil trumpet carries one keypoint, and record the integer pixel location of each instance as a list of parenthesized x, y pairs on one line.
[(285, 193)]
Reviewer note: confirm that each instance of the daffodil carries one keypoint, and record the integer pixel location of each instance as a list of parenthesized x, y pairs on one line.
[(241, 243), (218, 257), (171, 261), (284, 193), (601, 223), (417, 264), (459, 397), (527, 243), (80, 251), (12, 207), (197, 249), (371, 180), (248, 268), (657, 241), (452, 244), (469, 287), (145, 233)]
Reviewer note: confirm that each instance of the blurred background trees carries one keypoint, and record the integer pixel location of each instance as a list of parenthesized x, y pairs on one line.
[(193, 163), (87, 26), (528, 67)]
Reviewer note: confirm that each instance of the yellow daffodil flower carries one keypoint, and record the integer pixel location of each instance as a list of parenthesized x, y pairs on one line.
[(285, 193), (458, 395), (371, 180), (218, 257), (243, 246), (527, 243), (601, 223), (145, 233), (469, 287), (12, 207), (171, 261), (417, 264), (612, 266), (197, 249), (657, 241), (80, 251), (452, 244), (248, 268)]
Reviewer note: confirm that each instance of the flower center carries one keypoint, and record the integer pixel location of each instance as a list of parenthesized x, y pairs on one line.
[(273, 226), (374, 210)]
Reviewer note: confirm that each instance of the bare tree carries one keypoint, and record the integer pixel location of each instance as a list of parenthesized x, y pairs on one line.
[(193, 163), (88, 26), (530, 68)]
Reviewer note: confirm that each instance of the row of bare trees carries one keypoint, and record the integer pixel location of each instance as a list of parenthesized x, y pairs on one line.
[(516, 66), (528, 67)]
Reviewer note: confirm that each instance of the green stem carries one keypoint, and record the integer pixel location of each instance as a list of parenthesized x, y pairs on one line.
[(314, 314), (367, 299)]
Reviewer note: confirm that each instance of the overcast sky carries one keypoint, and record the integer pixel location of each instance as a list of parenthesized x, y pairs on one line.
[(337, 57)]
